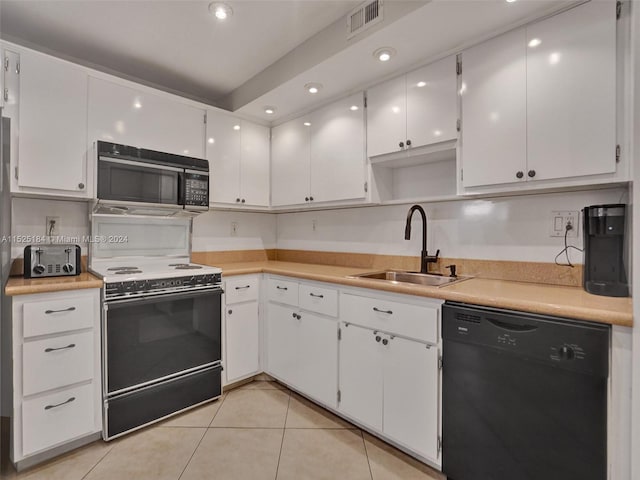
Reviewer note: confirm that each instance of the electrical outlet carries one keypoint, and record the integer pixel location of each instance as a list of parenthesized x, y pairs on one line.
[(234, 229), (52, 227), (559, 221)]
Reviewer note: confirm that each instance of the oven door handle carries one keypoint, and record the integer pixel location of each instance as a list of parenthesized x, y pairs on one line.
[(142, 300)]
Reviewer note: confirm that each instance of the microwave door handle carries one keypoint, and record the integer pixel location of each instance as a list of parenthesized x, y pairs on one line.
[(182, 187)]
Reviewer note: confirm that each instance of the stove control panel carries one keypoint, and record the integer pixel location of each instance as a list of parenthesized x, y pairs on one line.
[(164, 285)]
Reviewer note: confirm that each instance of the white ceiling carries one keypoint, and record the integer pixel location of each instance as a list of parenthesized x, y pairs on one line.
[(174, 44), (266, 52)]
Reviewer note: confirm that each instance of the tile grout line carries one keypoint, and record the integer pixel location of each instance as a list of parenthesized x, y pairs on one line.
[(193, 453), (284, 430), (224, 398), (100, 460), (366, 452)]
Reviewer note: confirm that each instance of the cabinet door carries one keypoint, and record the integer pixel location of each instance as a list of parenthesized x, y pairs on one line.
[(282, 343), (254, 166), (494, 119), (571, 93), (121, 114), (223, 152), (432, 103), (411, 392), (290, 162), (242, 340), (386, 117), (52, 149), (337, 151), (318, 359), (361, 376)]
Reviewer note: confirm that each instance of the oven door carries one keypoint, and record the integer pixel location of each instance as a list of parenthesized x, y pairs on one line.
[(149, 339), (130, 181)]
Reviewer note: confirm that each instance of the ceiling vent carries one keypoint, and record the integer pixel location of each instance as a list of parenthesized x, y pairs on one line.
[(363, 17)]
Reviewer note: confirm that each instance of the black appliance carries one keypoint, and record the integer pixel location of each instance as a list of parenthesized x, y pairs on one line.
[(162, 348), (130, 177), (51, 260), (524, 396), (604, 250)]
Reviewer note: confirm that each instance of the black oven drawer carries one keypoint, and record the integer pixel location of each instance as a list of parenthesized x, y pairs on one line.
[(152, 403)]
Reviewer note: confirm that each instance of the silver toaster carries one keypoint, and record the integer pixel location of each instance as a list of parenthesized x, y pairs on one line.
[(51, 260)]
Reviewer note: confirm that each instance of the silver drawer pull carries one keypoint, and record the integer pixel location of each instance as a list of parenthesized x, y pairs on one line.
[(70, 309), (281, 288), (71, 345), (49, 407), (376, 309), (317, 296), (243, 288)]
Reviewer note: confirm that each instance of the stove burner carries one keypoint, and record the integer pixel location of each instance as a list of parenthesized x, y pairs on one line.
[(188, 267), (118, 269), (178, 264), (126, 272)]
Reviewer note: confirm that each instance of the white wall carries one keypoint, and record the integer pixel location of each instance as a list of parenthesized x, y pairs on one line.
[(509, 228), (211, 230)]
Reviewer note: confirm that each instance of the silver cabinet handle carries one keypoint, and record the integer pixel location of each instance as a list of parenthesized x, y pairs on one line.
[(70, 309), (376, 309), (49, 407), (315, 295), (243, 288), (281, 288), (71, 345)]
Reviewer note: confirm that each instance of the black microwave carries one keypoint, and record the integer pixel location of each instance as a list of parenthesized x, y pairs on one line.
[(130, 175)]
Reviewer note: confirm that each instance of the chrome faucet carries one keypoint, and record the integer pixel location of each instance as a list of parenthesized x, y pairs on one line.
[(425, 258)]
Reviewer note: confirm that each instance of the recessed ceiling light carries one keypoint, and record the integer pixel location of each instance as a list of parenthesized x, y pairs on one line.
[(384, 54), (137, 104), (186, 152), (236, 127), (534, 42), (510, 1), (211, 140), (421, 84), (307, 124), (220, 10), (313, 87), (269, 110), (353, 108)]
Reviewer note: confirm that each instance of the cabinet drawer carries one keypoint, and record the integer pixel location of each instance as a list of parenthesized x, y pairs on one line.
[(419, 322), (57, 418), (319, 300), (57, 362), (241, 290), (283, 291), (58, 315)]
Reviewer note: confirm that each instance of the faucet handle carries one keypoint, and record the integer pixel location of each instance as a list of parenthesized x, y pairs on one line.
[(452, 269)]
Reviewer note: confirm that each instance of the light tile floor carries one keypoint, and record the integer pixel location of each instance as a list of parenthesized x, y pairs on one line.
[(260, 430)]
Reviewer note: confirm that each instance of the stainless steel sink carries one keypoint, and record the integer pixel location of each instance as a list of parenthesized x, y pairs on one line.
[(398, 276)]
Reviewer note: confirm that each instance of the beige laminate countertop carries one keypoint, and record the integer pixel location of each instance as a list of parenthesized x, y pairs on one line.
[(571, 302), (26, 286)]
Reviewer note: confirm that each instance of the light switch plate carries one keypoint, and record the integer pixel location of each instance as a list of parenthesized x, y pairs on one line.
[(560, 219)]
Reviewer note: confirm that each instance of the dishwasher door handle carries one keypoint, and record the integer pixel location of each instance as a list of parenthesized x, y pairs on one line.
[(512, 327)]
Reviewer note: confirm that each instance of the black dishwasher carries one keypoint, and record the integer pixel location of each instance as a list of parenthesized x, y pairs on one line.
[(524, 396)]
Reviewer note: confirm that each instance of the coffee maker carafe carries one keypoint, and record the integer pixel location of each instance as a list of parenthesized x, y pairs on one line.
[(605, 272)]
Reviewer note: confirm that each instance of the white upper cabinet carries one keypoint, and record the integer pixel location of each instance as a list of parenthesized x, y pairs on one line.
[(432, 103), (52, 148), (571, 93), (290, 150), (387, 117), (320, 157), (139, 118), (494, 111), (539, 103), (338, 160), (414, 110), (238, 154)]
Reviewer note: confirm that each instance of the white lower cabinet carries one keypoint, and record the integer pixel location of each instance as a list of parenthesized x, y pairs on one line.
[(241, 327), (282, 346), (57, 393)]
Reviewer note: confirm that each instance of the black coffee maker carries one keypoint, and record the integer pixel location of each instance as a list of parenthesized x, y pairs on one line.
[(605, 272)]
